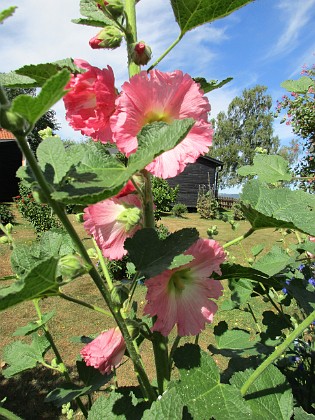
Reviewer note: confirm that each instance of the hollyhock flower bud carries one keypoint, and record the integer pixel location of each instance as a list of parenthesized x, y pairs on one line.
[(4, 239), (9, 227), (110, 37), (71, 267), (119, 294), (140, 53), (105, 351)]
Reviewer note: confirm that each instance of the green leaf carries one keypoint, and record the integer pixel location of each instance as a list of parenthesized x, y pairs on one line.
[(169, 406), (52, 152), (120, 405), (69, 392), (96, 178), (268, 168), (300, 414), (270, 396), (32, 108), (236, 271), (91, 377), (274, 261), (278, 207), (13, 80), (241, 290), (298, 86), (200, 388), (212, 84), (152, 260), (191, 13), (21, 356), (257, 249), (90, 22), (4, 14), (180, 260), (33, 325), (6, 414), (39, 282), (89, 9), (232, 339)]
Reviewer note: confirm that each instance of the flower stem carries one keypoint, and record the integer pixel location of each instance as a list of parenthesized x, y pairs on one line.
[(62, 368), (85, 304), (59, 211), (277, 353), (166, 52), (131, 34), (103, 265), (239, 238)]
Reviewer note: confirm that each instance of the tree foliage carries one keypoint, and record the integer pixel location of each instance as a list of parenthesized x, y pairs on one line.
[(246, 126), (300, 114), (47, 120)]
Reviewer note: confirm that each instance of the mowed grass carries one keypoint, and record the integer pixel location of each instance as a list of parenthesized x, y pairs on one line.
[(72, 320)]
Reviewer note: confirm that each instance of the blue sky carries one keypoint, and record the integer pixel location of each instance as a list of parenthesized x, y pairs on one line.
[(265, 42)]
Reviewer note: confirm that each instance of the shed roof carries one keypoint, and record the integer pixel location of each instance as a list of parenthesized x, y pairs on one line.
[(6, 135), (215, 162)]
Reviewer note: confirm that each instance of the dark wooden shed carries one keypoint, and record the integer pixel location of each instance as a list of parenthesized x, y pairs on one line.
[(10, 160), (202, 173)]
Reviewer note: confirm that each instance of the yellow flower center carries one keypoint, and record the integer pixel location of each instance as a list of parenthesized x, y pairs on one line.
[(130, 217), (153, 116), (179, 280)]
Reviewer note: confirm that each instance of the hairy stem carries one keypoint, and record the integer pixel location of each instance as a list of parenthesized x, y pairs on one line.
[(277, 353), (239, 238)]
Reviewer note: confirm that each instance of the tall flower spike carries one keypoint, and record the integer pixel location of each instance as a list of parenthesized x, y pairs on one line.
[(159, 96), (112, 221), (91, 101), (181, 296), (105, 351)]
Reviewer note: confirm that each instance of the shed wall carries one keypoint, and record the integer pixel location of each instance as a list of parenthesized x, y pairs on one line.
[(10, 161), (194, 175)]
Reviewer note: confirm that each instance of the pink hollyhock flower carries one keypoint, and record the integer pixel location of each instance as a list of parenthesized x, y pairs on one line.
[(159, 96), (91, 101), (112, 221), (181, 296), (105, 351), (309, 254)]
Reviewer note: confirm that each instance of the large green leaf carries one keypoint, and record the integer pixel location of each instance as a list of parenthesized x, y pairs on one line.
[(21, 356), (169, 406), (52, 152), (152, 260), (301, 85), (36, 75), (200, 388), (212, 84), (4, 14), (274, 261), (270, 396), (32, 108), (34, 325), (96, 179), (278, 207), (232, 339), (38, 282), (191, 13), (268, 168)]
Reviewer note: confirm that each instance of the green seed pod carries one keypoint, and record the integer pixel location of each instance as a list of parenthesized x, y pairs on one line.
[(133, 328), (70, 266), (118, 295), (4, 239), (9, 227)]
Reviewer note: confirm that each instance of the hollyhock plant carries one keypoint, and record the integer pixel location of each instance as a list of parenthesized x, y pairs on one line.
[(112, 221), (159, 96), (105, 351), (91, 101), (181, 295)]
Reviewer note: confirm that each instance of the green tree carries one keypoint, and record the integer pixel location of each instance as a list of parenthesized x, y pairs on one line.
[(247, 125), (47, 120), (300, 114)]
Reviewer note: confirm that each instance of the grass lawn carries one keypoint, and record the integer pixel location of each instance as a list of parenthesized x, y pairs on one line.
[(73, 320)]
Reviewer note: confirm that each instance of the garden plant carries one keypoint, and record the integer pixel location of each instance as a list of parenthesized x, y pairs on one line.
[(159, 121)]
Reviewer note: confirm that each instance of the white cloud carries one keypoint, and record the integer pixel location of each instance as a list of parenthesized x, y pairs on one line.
[(295, 14)]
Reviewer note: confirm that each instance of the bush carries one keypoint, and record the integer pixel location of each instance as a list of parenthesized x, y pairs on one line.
[(207, 205), (162, 231), (179, 209), (6, 215), (237, 212), (39, 215), (164, 196)]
